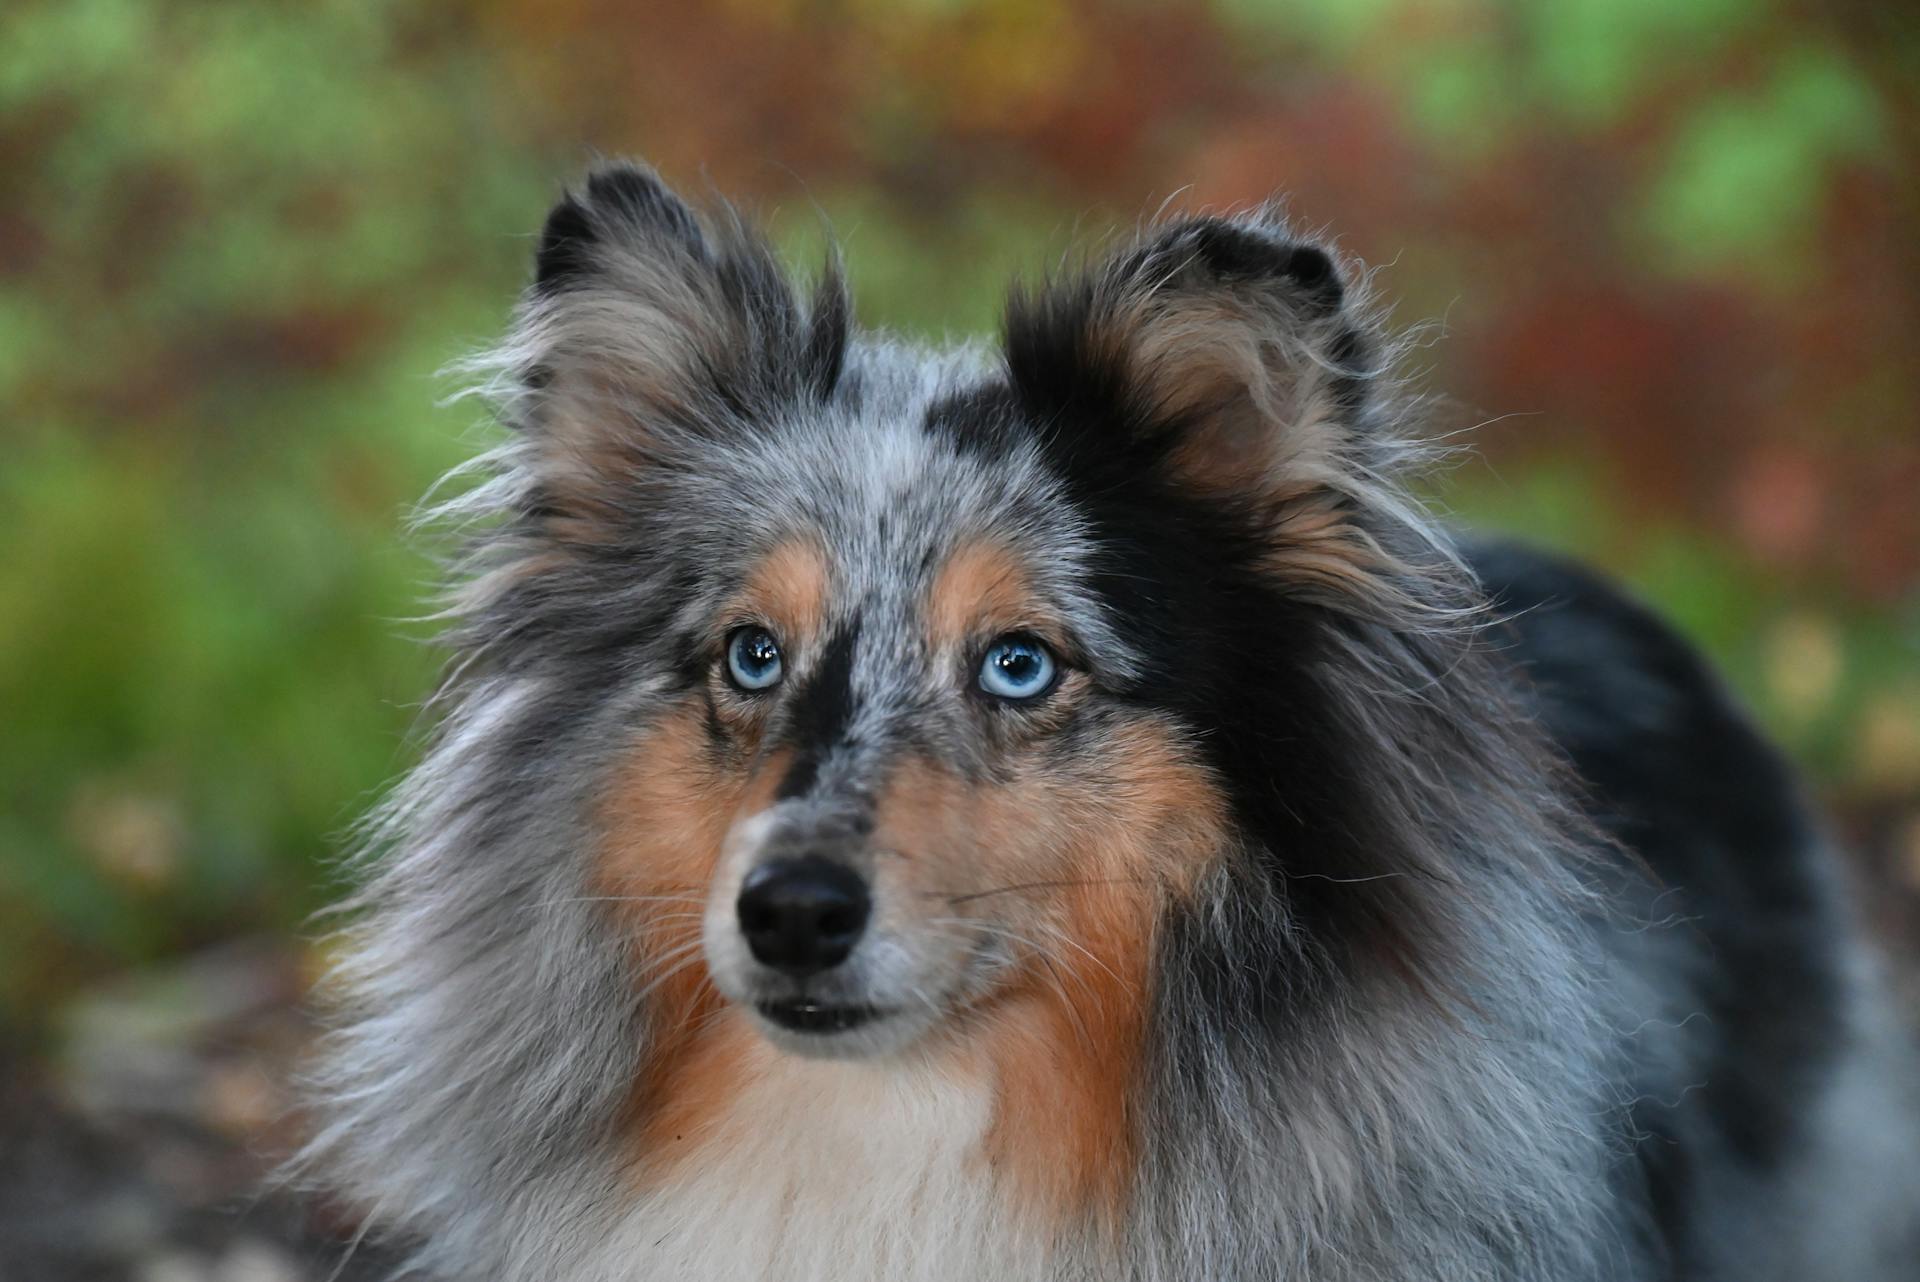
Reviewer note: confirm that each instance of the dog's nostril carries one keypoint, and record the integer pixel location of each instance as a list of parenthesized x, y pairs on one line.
[(756, 914), (804, 915), (841, 921)]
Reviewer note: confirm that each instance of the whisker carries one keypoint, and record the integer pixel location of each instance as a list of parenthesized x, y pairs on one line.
[(662, 919), (671, 955), (684, 958), (1339, 881), (656, 958), (1040, 950), (691, 1028), (970, 896), (1067, 1002), (621, 899), (1069, 940)]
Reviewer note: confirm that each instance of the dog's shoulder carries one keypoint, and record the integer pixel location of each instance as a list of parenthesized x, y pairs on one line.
[(1733, 920), (1671, 763)]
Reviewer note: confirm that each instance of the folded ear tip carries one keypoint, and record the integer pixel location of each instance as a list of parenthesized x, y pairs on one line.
[(607, 177), (633, 191), (1229, 249), (1244, 250), (1312, 269), (617, 195), (565, 240)]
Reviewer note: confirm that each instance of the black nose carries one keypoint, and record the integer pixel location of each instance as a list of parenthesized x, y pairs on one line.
[(803, 915)]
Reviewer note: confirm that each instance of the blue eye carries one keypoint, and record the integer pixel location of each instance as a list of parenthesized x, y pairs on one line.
[(1017, 667), (753, 659)]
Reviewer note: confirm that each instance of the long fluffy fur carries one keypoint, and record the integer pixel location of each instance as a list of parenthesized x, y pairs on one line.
[(1425, 1012)]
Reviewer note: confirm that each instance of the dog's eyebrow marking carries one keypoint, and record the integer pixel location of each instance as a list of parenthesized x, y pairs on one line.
[(981, 583), (822, 710), (791, 586)]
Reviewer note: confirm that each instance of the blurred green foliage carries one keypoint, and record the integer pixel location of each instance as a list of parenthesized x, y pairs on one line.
[(238, 260), (237, 240)]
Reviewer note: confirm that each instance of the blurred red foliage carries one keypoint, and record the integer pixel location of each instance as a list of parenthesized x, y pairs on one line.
[(1772, 403)]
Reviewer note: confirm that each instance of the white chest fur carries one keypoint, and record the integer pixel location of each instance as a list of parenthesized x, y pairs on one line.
[(836, 1171)]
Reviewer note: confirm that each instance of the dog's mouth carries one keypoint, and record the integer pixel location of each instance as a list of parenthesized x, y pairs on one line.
[(819, 1018)]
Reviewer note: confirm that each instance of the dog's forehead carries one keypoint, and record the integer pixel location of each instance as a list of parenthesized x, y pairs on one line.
[(890, 490), (890, 499)]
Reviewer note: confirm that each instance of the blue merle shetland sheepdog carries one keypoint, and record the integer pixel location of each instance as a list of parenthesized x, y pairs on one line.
[(1063, 810)]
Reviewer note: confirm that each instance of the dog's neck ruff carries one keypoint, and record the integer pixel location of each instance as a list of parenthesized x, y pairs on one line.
[(852, 1172)]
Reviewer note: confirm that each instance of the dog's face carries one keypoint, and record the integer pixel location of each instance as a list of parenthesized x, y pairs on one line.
[(901, 776), (937, 678), (896, 777)]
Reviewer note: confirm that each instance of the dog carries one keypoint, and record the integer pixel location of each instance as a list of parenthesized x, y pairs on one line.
[(1064, 809)]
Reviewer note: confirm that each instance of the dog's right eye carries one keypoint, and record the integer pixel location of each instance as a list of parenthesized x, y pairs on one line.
[(754, 662), (1017, 667)]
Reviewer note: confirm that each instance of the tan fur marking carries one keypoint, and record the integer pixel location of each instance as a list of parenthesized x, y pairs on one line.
[(1317, 546), (981, 588), (1078, 856), (1255, 429), (789, 589), (1260, 427), (666, 818), (1069, 1048), (1093, 850), (692, 1086), (698, 1065)]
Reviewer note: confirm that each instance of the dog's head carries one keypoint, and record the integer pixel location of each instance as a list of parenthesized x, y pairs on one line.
[(938, 676), (1080, 730)]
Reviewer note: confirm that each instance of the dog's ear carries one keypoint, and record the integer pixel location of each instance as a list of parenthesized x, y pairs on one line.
[(1239, 361), (620, 206), (650, 326)]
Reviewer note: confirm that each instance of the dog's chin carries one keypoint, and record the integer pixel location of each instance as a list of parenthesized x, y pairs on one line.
[(880, 1006), (823, 1030)]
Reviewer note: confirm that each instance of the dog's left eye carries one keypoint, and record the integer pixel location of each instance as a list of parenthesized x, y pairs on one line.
[(1017, 667)]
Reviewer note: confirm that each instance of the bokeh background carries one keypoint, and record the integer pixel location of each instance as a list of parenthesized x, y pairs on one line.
[(1668, 249)]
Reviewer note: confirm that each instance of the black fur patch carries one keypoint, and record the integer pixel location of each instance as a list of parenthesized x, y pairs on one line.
[(1227, 653), (637, 197), (822, 711), (1231, 251), (565, 250)]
